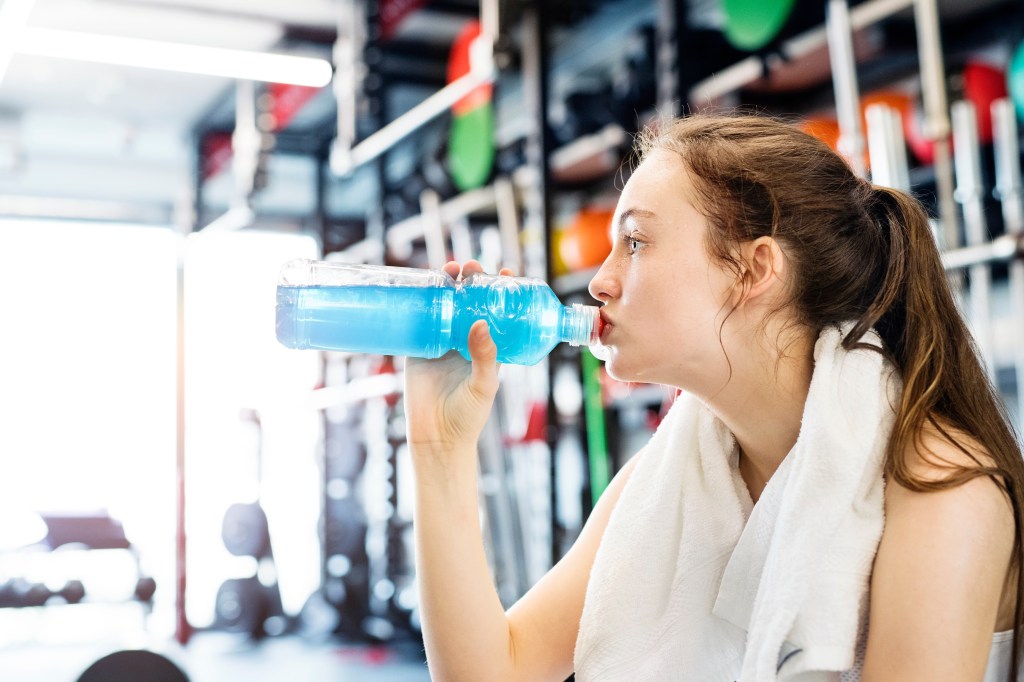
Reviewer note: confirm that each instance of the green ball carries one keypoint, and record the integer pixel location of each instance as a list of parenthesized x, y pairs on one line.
[(751, 24), (471, 147), (1015, 80)]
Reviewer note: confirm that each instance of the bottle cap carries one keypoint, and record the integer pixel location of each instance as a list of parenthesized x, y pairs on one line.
[(586, 325)]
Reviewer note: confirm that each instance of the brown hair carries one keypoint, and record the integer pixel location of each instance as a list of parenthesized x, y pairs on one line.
[(864, 253)]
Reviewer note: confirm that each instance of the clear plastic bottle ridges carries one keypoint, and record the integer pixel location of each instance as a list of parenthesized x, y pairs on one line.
[(423, 313)]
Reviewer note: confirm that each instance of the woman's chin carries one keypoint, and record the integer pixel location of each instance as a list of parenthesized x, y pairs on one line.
[(616, 366)]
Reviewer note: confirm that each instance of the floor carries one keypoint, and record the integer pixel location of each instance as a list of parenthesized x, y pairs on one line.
[(32, 650)]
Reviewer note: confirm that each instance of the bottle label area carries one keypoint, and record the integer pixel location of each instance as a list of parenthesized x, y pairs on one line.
[(426, 322)]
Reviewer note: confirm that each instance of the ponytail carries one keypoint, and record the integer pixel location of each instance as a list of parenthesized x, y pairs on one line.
[(944, 381)]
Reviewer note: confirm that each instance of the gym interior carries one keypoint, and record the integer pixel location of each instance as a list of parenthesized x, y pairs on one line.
[(183, 497)]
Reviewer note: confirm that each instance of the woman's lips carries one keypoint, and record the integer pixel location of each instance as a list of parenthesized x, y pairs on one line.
[(605, 326)]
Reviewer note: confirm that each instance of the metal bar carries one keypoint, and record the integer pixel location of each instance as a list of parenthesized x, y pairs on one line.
[(357, 390), (667, 59), (490, 19), (537, 218), (900, 163), (752, 68), (245, 141), (1009, 187), (346, 155), (1001, 249), (969, 193), (186, 222), (345, 161), (433, 228), (461, 239), (844, 83), (508, 223), (880, 145), (936, 125), (1006, 142), (887, 147), (401, 235), (349, 70)]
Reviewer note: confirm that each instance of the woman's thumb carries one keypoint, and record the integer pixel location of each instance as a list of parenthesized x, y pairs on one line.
[(484, 354)]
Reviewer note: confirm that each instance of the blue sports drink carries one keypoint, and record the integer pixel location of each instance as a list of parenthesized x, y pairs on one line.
[(423, 313)]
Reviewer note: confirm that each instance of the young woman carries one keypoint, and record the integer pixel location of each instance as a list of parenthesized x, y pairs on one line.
[(806, 316)]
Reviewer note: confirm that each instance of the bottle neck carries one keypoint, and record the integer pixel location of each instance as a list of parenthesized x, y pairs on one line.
[(581, 325)]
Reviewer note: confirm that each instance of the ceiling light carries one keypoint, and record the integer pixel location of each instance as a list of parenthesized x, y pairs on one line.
[(153, 54)]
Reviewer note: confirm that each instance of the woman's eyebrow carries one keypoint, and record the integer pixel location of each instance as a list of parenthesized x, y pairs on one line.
[(632, 213)]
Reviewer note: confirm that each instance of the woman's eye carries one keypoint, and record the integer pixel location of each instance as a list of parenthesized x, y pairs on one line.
[(634, 245)]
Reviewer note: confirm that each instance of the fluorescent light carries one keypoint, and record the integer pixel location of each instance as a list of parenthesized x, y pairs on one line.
[(13, 17), (153, 54)]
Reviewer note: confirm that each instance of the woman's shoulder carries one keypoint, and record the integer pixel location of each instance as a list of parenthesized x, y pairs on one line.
[(940, 452), (939, 584), (941, 489)]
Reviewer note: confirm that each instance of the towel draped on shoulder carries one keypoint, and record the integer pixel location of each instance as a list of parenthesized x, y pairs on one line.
[(694, 582)]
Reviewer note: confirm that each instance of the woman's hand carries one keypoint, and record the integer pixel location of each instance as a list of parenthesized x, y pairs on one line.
[(447, 400)]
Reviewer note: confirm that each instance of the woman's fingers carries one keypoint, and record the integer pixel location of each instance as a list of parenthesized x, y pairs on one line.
[(484, 354), (471, 267), (452, 268)]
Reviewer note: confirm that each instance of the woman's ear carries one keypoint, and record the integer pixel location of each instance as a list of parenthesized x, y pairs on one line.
[(764, 265)]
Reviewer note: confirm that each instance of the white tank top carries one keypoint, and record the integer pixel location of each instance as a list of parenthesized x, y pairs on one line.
[(999, 657), (998, 669)]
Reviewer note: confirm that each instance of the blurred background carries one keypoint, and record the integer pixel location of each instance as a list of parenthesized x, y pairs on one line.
[(184, 498)]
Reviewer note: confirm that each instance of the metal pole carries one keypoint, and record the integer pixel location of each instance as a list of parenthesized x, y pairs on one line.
[(349, 72), (1009, 191), (844, 84), (1001, 249), (346, 155), (433, 228), (887, 148), (185, 221), (936, 125), (969, 192), (667, 60), (537, 216), (508, 223), (344, 162)]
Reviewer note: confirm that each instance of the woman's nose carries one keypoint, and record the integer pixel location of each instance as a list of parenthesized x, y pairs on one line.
[(602, 286)]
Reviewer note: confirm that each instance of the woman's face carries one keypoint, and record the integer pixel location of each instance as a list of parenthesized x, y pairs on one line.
[(664, 298)]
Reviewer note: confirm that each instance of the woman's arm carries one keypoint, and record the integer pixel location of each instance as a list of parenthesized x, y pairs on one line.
[(939, 577), (467, 634)]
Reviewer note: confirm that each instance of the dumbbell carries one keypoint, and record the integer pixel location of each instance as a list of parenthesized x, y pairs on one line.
[(245, 530), (145, 587), (20, 593), (245, 605)]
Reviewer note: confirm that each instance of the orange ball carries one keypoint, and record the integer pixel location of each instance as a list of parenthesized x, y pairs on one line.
[(825, 128), (587, 241)]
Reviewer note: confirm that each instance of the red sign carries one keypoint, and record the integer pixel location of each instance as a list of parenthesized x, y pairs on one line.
[(287, 101)]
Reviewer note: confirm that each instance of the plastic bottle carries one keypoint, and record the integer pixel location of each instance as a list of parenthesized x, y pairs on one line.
[(423, 313)]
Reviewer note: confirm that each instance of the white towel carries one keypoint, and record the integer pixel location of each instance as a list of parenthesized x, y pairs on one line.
[(694, 582)]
